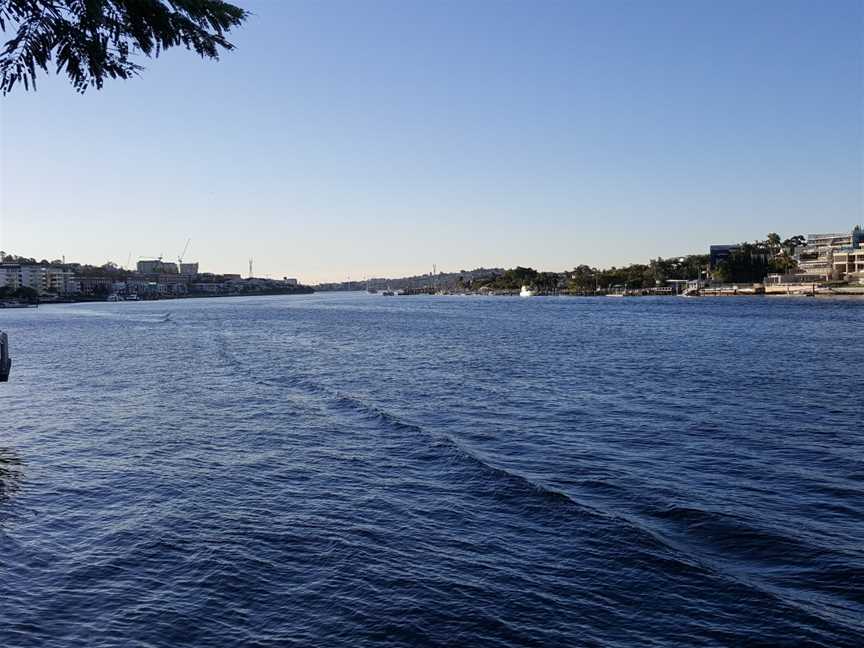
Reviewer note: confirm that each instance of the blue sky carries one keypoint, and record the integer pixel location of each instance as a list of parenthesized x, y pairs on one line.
[(379, 137)]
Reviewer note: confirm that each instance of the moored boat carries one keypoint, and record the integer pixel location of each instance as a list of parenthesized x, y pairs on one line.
[(16, 303)]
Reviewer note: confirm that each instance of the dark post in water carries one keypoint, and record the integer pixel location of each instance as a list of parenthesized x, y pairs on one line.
[(5, 360)]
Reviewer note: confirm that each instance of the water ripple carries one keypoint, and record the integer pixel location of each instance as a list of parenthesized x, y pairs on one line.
[(345, 470)]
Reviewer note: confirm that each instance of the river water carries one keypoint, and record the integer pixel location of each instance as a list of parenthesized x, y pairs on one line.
[(355, 470)]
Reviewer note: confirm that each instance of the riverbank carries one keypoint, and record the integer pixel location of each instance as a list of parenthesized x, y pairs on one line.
[(852, 291), (86, 299)]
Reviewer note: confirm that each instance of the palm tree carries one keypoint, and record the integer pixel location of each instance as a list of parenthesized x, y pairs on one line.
[(773, 241)]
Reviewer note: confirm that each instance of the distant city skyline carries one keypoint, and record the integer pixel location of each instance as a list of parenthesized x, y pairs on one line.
[(147, 264), (378, 139)]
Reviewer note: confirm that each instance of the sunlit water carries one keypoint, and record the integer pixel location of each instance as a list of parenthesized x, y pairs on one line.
[(355, 470)]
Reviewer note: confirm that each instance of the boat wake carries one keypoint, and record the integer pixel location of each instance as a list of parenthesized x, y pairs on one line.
[(707, 549)]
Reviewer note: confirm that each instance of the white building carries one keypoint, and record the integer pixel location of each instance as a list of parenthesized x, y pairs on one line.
[(816, 256), (61, 281), (848, 263), (10, 276), (42, 279)]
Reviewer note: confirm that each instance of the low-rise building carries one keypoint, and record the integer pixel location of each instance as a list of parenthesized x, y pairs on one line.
[(141, 286), (209, 287), (719, 253), (848, 264), (96, 285)]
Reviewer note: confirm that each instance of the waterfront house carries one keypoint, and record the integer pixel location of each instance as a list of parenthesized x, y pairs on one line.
[(826, 257), (848, 263), (816, 256)]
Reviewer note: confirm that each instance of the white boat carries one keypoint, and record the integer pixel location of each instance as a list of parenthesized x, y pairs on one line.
[(526, 292)]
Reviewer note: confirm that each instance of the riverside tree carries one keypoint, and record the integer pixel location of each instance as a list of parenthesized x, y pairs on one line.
[(93, 40)]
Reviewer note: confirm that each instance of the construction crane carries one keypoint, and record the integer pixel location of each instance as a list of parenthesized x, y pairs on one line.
[(183, 253)]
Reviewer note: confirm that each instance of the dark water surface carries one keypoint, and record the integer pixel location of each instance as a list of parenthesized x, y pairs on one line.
[(353, 470)]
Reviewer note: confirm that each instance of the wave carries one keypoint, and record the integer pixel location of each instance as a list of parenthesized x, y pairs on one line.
[(662, 551), (372, 413), (703, 551), (463, 453), (734, 535)]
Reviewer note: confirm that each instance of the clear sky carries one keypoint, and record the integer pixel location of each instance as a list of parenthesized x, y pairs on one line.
[(377, 137)]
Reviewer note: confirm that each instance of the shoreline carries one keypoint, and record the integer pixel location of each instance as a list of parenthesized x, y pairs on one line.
[(157, 299), (724, 295), (767, 295)]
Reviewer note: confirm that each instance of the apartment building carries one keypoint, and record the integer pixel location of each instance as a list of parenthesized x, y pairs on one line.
[(849, 264), (817, 256), (42, 279), (10, 276)]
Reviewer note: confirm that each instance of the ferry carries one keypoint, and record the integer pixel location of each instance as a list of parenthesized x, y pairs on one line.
[(526, 292)]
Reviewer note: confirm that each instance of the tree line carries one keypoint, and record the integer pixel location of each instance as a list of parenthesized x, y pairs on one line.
[(749, 262), (752, 262)]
